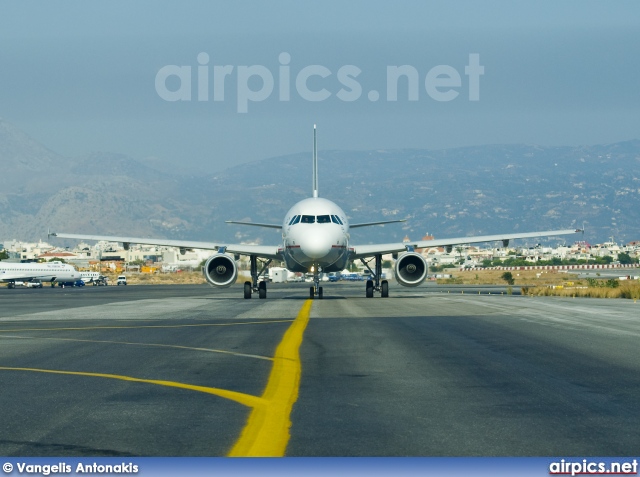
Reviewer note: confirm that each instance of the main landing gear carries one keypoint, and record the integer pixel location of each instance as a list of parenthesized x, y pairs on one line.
[(375, 284), (253, 285)]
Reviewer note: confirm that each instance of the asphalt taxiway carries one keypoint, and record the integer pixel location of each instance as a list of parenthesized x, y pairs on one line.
[(196, 371)]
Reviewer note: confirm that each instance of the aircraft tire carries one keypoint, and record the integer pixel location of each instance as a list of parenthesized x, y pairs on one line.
[(320, 292), (369, 289), (262, 290), (311, 293), (247, 290), (384, 289)]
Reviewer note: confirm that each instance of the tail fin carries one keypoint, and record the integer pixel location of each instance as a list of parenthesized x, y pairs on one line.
[(315, 163)]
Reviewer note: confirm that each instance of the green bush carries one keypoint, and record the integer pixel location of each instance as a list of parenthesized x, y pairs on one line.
[(508, 277)]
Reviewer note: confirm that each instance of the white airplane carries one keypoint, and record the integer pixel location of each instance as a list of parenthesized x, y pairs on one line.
[(46, 272), (89, 277), (315, 239)]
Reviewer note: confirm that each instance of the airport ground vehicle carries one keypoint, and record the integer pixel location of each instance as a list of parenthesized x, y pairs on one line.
[(76, 283), (33, 284), (122, 280)]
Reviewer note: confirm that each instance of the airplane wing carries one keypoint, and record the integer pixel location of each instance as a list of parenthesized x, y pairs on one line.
[(262, 251), (367, 224), (361, 251), (254, 224)]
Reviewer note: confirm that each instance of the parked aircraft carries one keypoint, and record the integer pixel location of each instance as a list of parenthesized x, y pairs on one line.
[(89, 277), (46, 272), (315, 239)]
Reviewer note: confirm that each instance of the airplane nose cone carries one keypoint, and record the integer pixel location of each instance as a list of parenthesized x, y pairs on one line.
[(316, 247)]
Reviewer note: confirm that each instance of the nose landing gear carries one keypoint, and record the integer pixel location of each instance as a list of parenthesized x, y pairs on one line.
[(316, 289)]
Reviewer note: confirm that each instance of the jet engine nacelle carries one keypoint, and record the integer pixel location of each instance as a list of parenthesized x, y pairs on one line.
[(220, 271), (411, 269)]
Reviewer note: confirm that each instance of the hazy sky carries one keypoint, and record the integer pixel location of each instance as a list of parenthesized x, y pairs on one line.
[(110, 76)]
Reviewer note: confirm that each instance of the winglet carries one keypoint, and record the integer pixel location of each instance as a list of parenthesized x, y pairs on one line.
[(315, 163)]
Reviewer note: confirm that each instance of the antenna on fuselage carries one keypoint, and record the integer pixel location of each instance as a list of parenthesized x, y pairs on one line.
[(315, 163)]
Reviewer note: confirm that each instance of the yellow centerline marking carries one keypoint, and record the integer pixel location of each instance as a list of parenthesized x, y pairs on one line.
[(266, 433), (246, 399), (144, 327)]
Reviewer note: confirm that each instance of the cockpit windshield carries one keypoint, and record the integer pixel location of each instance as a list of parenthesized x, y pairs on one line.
[(294, 220), (312, 219)]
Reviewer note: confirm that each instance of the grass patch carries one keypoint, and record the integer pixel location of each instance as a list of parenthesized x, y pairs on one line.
[(182, 278), (549, 283), (628, 290), (520, 277)]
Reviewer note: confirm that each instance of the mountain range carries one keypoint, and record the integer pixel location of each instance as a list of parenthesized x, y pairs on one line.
[(453, 192)]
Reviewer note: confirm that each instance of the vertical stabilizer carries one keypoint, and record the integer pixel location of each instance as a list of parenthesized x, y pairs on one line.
[(315, 163)]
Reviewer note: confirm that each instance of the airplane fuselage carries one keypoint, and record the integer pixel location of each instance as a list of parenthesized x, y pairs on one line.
[(49, 272), (315, 235)]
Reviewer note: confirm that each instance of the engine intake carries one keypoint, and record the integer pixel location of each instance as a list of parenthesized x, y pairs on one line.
[(220, 271), (411, 269)]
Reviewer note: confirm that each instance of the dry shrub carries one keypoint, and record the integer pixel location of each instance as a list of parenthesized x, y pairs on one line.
[(521, 277), (630, 290), (182, 278)]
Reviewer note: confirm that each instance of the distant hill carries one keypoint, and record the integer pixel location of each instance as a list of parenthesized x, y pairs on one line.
[(463, 191)]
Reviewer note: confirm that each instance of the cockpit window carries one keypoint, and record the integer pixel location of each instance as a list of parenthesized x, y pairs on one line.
[(336, 220), (294, 220), (308, 219), (324, 219)]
